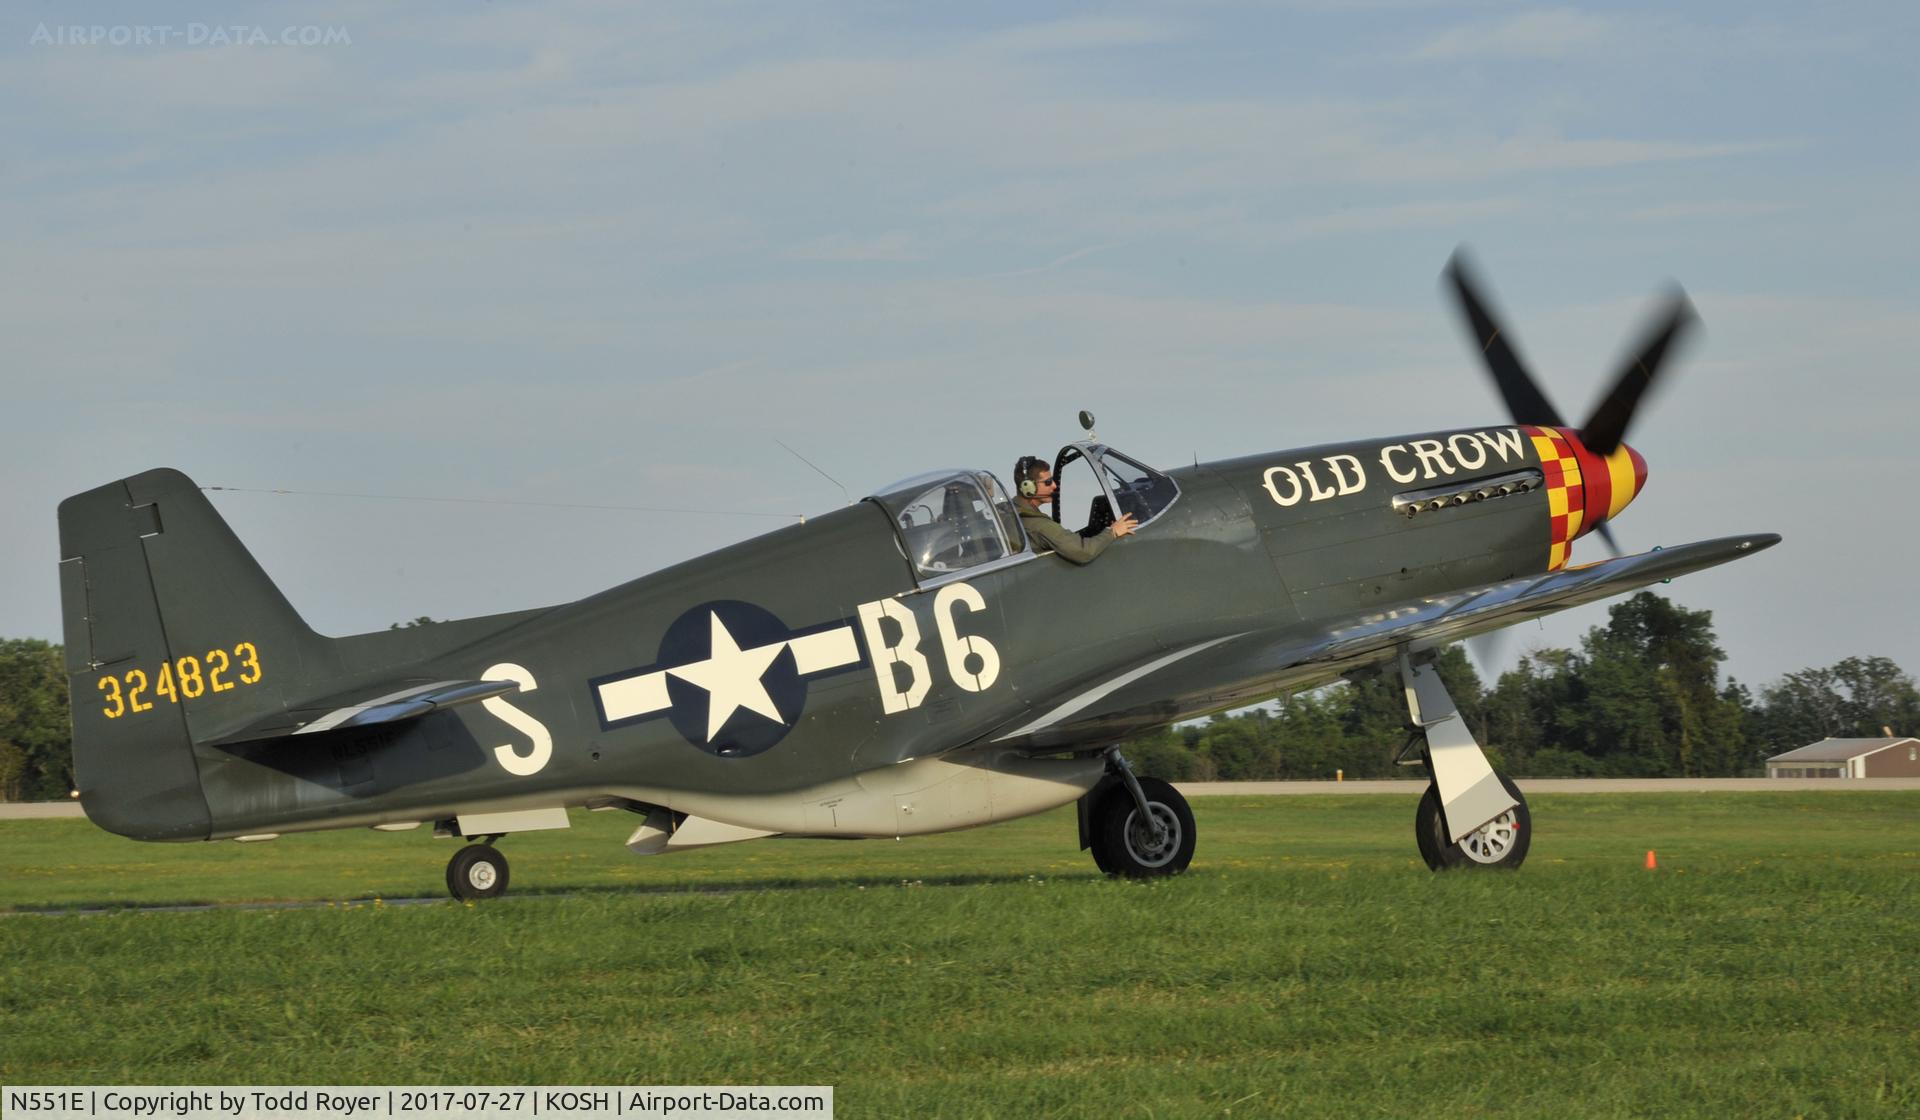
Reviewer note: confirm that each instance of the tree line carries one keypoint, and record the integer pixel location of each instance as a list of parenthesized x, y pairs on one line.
[(36, 738), (1641, 697)]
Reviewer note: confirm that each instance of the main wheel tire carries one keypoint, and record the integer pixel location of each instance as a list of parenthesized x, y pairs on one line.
[(1500, 843), (1111, 787), (1423, 832), (477, 871), (1123, 842), (1099, 849)]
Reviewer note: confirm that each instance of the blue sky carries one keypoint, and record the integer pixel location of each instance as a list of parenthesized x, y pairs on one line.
[(610, 254)]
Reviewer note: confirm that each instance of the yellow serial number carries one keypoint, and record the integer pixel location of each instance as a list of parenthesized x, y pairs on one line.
[(183, 678)]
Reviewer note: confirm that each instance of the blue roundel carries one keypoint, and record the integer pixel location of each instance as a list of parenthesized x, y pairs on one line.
[(733, 694), (730, 676)]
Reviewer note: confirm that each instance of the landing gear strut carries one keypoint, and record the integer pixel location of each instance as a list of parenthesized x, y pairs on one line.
[(1139, 827), (477, 871), (1470, 815)]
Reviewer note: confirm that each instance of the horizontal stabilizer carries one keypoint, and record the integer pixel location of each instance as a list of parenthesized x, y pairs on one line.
[(382, 703)]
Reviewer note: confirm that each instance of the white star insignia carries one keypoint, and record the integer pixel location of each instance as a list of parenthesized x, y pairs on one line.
[(733, 678)]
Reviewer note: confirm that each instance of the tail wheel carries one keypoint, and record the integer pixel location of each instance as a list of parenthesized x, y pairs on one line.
[(1502, 842), (477, 871), (1127, 844)]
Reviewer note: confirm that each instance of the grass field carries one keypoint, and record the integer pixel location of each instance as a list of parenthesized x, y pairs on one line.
[(1308, 965)]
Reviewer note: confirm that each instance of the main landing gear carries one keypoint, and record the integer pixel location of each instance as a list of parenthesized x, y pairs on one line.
[(477, 871), (1470, 815), (1137, 827)]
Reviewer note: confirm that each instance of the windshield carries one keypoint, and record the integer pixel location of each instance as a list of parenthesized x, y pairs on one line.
[(1080, 502), (1141, 491), (1097, 479)]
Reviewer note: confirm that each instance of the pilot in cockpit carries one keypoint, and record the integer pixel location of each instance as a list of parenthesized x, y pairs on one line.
[(1033, 478)]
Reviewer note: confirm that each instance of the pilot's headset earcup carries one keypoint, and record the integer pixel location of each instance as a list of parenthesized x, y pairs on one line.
[(1023, 476)]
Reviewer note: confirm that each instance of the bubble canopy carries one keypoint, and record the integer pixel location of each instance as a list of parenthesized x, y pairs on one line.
[(956, 520), (952, 520)]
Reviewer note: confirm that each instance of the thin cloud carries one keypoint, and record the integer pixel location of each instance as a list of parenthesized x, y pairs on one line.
[(894, 245), (1410, 215), (1082, 35), (1056, 263), (1552, 33), (1725, 210)]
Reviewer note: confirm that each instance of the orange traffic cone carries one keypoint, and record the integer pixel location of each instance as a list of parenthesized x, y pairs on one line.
[(1652, 864)]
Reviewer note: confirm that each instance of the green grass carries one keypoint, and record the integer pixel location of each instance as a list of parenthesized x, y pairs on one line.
[(1308, 965)]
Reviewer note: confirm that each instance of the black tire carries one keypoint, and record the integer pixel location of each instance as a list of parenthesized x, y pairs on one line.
[(1123, 845), (477, 871), (1423, 830), (1098, 849), (1095, 799), (1500, 844)]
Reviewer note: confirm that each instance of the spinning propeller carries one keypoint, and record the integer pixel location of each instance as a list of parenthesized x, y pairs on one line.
[(1611, 472), (1598, 446)]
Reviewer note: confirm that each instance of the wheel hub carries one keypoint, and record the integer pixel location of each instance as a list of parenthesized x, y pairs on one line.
[(1153, 842), (482, 875), (1491, 842)]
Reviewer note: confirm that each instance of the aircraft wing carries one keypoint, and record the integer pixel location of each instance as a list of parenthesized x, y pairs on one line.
[(1235, 669), (387, 702)]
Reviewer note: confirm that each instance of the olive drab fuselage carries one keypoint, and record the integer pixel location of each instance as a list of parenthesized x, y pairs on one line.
[(818, 650)]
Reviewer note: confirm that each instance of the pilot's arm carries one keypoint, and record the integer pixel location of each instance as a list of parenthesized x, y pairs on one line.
[(1047, 536)]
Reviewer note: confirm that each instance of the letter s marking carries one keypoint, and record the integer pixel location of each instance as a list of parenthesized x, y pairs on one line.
[(513, 761)]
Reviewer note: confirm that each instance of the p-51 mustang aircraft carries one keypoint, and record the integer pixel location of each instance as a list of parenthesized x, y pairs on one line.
[(908, 664)]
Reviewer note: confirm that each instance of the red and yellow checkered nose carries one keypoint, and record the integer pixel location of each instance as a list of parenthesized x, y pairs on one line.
[(1583, 489)]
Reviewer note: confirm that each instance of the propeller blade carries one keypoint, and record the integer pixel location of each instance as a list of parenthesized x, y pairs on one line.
[(1523, 396), (1487, 650), (1606, 534), (1607, 426)]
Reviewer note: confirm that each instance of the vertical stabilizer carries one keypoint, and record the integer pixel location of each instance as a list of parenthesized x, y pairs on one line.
[(173, 632)]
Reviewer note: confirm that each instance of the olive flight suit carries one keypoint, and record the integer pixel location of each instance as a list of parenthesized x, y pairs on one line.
[(1047, 535)]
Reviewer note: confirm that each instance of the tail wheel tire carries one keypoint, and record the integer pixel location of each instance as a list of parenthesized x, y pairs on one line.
[(1125, 843), (1500, 843), (477, 871)]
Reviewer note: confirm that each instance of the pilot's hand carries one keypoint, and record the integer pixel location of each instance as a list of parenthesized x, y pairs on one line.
[(1124, 525)]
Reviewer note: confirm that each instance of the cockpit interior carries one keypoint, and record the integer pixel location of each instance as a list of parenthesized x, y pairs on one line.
[(957, 520)]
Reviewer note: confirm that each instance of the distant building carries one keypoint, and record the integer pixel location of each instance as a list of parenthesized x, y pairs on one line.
[(1849, 758)]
